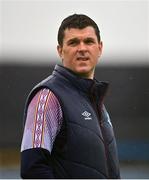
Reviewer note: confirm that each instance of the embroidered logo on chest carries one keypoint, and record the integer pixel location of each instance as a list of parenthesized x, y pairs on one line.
[(87, 115)]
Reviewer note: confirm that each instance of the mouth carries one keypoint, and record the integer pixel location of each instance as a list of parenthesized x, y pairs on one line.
[(82, 58)]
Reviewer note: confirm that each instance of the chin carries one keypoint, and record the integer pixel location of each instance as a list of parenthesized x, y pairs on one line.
[(84, 72)]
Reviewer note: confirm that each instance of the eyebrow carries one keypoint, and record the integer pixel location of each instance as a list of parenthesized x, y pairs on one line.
[(89, 39), (77, 40)]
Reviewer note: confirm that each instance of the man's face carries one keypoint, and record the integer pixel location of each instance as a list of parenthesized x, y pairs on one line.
[(80, 51)]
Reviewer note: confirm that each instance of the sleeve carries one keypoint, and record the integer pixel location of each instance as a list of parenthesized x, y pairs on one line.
[(43, 122)]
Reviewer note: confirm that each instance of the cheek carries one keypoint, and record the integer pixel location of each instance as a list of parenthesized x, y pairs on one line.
[(70, 55), (95, 54)]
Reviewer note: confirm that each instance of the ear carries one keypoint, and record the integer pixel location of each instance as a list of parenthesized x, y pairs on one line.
[(100, 48), (59, 50)]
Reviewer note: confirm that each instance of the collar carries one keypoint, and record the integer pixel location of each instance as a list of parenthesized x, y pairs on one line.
[(89, 86)]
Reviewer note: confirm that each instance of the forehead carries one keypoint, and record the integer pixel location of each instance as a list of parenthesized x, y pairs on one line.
[(79, 33)]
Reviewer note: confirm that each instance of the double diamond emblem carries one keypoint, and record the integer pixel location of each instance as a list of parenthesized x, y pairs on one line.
[(87, 115)]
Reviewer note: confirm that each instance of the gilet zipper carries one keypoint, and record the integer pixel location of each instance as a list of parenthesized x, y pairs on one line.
[(96, 108)]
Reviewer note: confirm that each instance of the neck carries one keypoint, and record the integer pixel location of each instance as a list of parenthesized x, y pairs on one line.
[(86, 76), (89, 75)]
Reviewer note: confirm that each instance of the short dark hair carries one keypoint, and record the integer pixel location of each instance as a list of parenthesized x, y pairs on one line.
[(78, 21)]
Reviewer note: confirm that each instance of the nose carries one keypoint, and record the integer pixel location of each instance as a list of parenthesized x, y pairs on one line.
[(82, 47)]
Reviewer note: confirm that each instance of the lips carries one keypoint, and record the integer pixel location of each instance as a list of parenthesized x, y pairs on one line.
[(82, 58)]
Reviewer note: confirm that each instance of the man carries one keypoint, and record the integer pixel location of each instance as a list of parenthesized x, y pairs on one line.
[(68, 133)]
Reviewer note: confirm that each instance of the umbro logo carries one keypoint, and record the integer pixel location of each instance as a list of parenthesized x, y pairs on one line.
[(87, 115)]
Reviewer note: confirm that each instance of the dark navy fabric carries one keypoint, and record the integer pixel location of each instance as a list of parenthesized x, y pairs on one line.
[(36, 164), (85, 146)]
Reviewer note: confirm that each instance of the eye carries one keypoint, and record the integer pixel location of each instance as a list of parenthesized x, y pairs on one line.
[(73, 42), (89, 41)]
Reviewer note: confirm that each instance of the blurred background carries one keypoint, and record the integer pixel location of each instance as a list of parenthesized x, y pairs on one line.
[(28, 40)]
